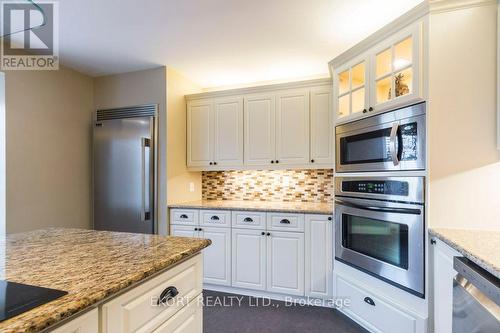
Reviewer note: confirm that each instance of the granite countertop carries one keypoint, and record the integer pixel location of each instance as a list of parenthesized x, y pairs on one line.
[(480, 246), (90, 265), (268, 206)]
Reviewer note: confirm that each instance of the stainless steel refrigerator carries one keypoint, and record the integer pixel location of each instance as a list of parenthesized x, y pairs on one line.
[(124, 169)]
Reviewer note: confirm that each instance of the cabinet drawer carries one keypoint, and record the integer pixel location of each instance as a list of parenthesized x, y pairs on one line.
[(376, 314), (251, 220), (136, 310), (285, 222), (184, 216), (215, 218), (188, 320)]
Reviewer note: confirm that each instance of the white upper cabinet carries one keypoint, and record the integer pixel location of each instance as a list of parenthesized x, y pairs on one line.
[(260, 134), (350, 87), (271, 127), (321, 132), (228, 144), (383, 77), (292, 128), (395, 77), (200, 136)]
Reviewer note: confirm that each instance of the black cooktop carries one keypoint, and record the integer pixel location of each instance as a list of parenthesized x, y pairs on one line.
[(16, 298)]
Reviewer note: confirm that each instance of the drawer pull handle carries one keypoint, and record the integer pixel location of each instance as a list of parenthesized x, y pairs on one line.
[(183, 216), (369, 301), (215, 218), (167, 294), (285, 221), (248, 219)]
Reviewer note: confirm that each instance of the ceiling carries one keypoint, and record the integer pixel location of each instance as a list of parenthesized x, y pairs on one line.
[(218, 42)]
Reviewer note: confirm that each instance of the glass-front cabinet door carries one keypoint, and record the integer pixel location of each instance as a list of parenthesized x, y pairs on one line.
[(350, 87), (395, 77)]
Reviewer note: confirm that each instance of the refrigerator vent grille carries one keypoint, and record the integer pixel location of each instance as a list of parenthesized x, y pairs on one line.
[(127, 112)]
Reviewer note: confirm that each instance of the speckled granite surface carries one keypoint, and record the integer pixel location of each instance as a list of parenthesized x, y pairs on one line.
[(268, 206), (480, 246), (90, 265)]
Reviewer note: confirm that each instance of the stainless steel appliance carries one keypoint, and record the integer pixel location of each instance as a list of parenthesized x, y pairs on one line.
[(476, 299), (379, 228), (124, 171), (390, 141)]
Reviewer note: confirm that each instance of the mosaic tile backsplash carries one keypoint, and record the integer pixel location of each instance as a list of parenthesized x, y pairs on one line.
[(269, 185)]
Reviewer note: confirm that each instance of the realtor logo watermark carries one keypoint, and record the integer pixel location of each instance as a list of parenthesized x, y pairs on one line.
[(30, 35)]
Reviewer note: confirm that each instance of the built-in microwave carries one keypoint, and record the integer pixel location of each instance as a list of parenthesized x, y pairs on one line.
[(390, 141), (379, 228)]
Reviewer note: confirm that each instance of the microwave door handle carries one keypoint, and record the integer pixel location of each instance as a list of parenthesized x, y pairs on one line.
[(393, 144), (396, 210)]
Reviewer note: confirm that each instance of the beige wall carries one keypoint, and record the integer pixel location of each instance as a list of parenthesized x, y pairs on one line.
[(136, 88), (464, 161), (178, 177), (48, 117)]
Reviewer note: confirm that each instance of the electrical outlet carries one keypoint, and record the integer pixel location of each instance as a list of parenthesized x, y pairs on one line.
[(191, 187)]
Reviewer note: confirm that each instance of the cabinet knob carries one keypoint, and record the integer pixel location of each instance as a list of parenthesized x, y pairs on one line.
[(210, 163), (263, 233), (433, 241), (329, 218), (167, 294), (272, 162), (285, 221), (312, 161), (248, 219), (215, 218), (370, 109), (365, 111), (195, 229), (183, 216), (200, 229), (369, 301), (269, 234), (215, 163), (277, 161)]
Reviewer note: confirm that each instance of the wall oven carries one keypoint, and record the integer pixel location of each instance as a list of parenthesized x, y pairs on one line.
[(379, 228), (390, 141)]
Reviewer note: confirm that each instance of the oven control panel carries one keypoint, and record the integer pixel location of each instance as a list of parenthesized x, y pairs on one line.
[(388, 187)]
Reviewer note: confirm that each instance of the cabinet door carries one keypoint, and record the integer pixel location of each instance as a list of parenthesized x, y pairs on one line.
[(396, 70), (285, 263), (292, 128), (319, 256), (217, 257), (322, 127), (351, 93), (188, 320), (443, 274), (200, 136), (260, 137), (184, 231), (249, 259), (228, 122)]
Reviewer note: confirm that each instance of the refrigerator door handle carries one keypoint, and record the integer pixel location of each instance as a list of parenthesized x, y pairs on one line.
[(146, 179)]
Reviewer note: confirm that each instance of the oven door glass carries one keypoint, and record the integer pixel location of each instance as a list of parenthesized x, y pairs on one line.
[(378, 239)]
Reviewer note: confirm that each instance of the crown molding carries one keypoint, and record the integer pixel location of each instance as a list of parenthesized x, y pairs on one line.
[(260, 89), (440, 6)]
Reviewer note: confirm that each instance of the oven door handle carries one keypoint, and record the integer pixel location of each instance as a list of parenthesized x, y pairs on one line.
[(393, 144), (412, 211)]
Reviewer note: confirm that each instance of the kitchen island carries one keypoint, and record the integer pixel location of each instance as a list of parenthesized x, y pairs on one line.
[(95, 267)]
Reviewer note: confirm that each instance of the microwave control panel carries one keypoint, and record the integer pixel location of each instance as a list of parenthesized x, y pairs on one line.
[(388, 187)]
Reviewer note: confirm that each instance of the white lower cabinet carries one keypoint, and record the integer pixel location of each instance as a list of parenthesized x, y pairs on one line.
[(319, 256), (86, 323), (285, 263), (249, 259), (442, 277), (217, 257), (137, 310), (374, 312), (188, 320), (279, 253)]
